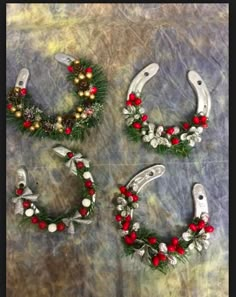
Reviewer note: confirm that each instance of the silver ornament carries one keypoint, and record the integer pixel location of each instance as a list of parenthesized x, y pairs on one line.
[(119, 207), (135, 205), (29, 212), (52, 227), (86, 202), (123, 213)]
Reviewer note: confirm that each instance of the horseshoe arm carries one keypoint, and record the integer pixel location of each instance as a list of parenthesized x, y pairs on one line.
[(22, 78), (64, 59)]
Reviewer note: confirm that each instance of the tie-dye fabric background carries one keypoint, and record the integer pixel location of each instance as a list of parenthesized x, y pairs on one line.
[(123, 38)]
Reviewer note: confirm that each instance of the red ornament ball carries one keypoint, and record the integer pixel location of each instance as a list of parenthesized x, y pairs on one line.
[(175, 140), (9, 106), (152, 240), (123, 189), (70, 155), (34, 220), (137, 125), (144, 118), (175, 240), (162, 257), (68, 130), (61, 226), (170, 130), (201, 224), (91, 192), (26, 204), (118, 218), (23, 91), (186, 126), (27, 124), (137, 101), (88, 184), (70, 68), (128, 218), (42, 225), (89, 70), (19, 191), (125, 226), (203, 119), (209, 229), (80, 165), (83, 211), (132, 97), (128, 194), (135, 198), (128, 240), (180, 250), (93, 90), (128, 103), (171, 248), (155, 261), (196, 120), (133, 235), (193, 227)]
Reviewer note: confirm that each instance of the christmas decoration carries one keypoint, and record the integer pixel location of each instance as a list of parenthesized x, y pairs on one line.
[(26, 203), (138, 240), (179, 139), (90, 88)]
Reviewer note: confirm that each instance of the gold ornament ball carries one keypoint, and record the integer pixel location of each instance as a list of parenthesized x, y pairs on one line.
[(32, 128), (92, 96), (83, 116), (59, 126), (36, 125), (13, 109), (77, 116), (19, 106), (81, 93), (80, 109), (59, 119), (76, 62), (76, 80), (89, 75), (17, 89), (18, 114), (60, 130), (81, 76), (87, 93)]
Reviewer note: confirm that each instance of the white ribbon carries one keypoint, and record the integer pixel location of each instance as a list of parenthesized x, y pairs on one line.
[(71, 163), (28, 195), (69, 222)]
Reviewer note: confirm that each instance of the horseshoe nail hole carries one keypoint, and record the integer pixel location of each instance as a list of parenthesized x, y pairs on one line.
[(200, 197), (146, 73), (151, 173), (199, 82), (20, 82), (21, 185)]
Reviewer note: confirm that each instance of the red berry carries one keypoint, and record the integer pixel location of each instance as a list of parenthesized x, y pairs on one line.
[(93, 90), (83, 211), (118, 218), (128, 194), (170, 130), (137, 101), (128, 218), (152, 240), (144, 117), (155, 261), (68, 130), (128, 240), (27, 124), (70, 155), (126, 225), (193, 227), (80, 165), (26, 204), (171, 248), (88, 184), (91, 192), (34, 220), (162, 257), (135, 198), (175, 240), (61, 226), (204, 126), (196, 120), (133, 235), (180, 250), (132, 97), (201, 224), (186, 126), (137, 125), (89, 70), (175, 141), (42, 225), (19, 191), (23, 91), (70, 68), (123, 189), (203, 119), (9, 106), (209, 229), (128, 103)]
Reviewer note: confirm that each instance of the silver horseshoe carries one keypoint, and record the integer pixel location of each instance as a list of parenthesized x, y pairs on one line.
[(21, 177), (195, 80), (22, 78), (200, 200)]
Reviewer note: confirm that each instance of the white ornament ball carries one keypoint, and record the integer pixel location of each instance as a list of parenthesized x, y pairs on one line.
[(86, 202), (29, 212), (87, 175), (119, 207), (52, 227)]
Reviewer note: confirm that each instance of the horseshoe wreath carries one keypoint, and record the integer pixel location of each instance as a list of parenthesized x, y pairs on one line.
[(26, 202), (90, 89), (174, 139), (148, 245)]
